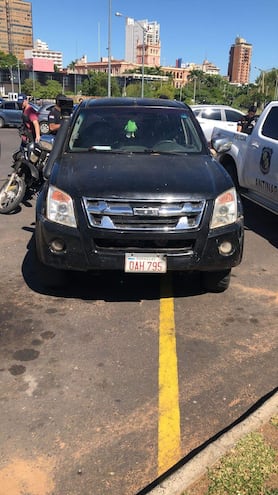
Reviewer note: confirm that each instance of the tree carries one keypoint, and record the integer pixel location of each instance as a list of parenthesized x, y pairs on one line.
[(72, 65), (48, 91), (51, 89), (157, 70), (7, 60), (134, 90), (97, 84), (32, 87)]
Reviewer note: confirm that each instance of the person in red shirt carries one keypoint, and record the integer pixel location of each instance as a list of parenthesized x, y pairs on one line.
[(31, 131)]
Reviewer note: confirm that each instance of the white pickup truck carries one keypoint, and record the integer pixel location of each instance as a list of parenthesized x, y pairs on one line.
[(252, 160)]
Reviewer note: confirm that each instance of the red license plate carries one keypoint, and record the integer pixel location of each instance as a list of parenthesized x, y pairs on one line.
[(145, 263)]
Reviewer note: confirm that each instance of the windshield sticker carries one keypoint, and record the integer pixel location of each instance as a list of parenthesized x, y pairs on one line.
[(130, 129)]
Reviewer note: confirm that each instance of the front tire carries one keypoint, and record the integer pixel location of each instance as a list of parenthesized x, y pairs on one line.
[(216, 281), (12, 193), (230, 167)]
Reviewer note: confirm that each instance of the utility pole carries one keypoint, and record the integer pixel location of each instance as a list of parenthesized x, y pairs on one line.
[(109, 48)]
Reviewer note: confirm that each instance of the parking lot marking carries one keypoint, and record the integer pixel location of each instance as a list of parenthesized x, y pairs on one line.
[(169, 447)]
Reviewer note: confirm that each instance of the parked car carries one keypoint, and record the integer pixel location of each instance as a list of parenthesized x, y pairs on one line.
[(131, 185), (222, 116), (43, 112), (10, 114)]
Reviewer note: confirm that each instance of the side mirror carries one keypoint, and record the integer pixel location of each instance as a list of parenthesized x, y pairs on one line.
[(221, 145)]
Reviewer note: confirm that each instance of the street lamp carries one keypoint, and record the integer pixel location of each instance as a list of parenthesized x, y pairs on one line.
[(10, 67), (118, 14), (19, 77), (262, 76), (276, 87), (109, 48), (194, 89)]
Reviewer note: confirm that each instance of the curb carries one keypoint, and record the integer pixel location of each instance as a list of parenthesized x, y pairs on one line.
[(177, 482)]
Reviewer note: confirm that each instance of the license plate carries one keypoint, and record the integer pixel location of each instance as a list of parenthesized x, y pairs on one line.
[(145, 263)]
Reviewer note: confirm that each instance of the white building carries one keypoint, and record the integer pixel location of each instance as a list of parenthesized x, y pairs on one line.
[(134, 32), (42, 51)]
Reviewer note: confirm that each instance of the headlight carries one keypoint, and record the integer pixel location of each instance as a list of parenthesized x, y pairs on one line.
[(225, 209), (59, 207), (32, 156)]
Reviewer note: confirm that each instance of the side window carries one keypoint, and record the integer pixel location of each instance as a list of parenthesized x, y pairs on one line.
[(212, 114), (270, 126), (232, 116), (10, 105)]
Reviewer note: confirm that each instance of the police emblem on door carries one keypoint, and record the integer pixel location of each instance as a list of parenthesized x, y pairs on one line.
[(265, 160)]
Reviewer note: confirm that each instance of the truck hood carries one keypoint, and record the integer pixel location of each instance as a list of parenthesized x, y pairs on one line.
[(107, 175)]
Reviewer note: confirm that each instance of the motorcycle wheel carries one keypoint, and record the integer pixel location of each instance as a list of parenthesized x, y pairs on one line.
[(12, 193)]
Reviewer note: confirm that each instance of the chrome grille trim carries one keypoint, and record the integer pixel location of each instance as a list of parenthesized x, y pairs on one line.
[(147, 215)]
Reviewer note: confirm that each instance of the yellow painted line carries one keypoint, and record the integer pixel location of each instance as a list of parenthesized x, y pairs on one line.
[(169, 444)]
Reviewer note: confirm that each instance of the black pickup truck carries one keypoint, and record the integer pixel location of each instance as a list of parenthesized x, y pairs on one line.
[(131, 185)]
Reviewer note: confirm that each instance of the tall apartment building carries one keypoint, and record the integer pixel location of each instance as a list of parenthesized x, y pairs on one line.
[(134, 33), (240, 61), (16, 27)]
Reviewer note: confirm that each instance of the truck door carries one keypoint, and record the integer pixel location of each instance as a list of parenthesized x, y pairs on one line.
[(261, 161)]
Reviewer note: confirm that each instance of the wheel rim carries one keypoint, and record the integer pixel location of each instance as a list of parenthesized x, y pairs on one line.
[(10, 194), (44, 127)]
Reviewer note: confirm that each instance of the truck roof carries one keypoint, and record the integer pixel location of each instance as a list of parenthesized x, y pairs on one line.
[(153, 102)]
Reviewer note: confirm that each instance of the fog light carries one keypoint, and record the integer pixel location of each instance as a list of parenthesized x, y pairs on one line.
[(225, 248), (57, 245)]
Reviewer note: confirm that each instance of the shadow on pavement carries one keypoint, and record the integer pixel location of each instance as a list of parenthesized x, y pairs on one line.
[(110, 286), (261, 221)]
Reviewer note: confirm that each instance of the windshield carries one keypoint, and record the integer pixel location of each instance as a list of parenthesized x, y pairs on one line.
[(128, 129)]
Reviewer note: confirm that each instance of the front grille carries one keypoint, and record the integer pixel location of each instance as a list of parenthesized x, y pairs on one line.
[(145, 245), (130, 215)]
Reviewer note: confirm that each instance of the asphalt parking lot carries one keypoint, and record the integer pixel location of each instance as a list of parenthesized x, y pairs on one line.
[(80, 367)]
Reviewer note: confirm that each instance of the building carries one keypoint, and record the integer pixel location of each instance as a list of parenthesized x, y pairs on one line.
[(206, 67), (16, 27), (118, 67), (43, 58), (39, 64), (139, 33), (240, 61), (179, 75), (210, 68)]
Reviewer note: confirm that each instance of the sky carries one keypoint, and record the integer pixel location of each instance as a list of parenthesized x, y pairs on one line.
[(193, 30)]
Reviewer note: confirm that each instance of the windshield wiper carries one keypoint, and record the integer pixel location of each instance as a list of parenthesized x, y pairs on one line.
[(160, 152)]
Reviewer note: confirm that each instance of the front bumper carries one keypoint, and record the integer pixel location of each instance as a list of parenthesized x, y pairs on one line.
[(89, 250)]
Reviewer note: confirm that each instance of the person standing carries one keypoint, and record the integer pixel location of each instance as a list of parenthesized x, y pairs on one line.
[(31, 127), (247, 122), (54, 116)]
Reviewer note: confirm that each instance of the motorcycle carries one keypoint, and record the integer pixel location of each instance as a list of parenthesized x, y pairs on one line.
[(27, 176)]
